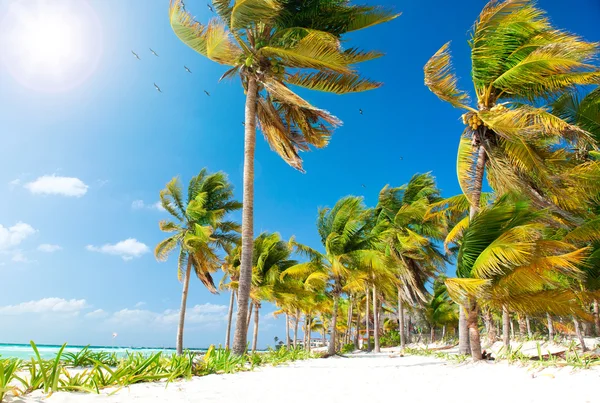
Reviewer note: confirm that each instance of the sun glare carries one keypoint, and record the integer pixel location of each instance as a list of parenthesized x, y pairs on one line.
[(50, 45)]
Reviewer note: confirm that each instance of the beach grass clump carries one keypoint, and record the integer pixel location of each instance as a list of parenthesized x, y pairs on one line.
[(8, 371), (91, 372)]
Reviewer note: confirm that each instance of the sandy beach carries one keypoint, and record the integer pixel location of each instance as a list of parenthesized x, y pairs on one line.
[(361, 378)]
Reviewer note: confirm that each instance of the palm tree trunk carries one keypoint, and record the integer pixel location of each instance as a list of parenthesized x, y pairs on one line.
[(249, 317), (474, 339), (349, 331), (522, 325), (401, 324), (255, 336), (367, 326), (579, 334), (287, 330), (432, 333), (443, 332), (324, 331), (512, 328), (596, 318), (375, 320), (463, 331), (308, 325), (296, 322), (357, 330), (229, 318), (332, 338), (184, 294), (489, 326), (528, 324), (505, 326), (477, 182), (245, 280), (550, 328)]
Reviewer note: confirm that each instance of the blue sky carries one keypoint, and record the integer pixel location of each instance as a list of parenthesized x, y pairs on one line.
[(83, 159)]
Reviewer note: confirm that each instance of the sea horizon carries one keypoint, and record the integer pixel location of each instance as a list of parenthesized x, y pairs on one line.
[(25, 351)]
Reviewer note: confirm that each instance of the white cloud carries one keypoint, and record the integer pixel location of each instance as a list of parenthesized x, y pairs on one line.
[(13, 236), (97, 314), (45, 305), (140, 304), (127, 249), (14, 182), (140, 204), (19, 257), (57, 185), (48, 248), (137, 204)]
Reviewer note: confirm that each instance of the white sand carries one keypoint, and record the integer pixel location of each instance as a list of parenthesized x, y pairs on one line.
[(364, 378)]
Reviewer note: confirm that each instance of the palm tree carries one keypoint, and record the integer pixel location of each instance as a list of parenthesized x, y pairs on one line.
[(261, 40), (199, 229), (345, 235), (506, 261), (519, 63), (230, 268), (410, 228), (439, 309), (271, 257)]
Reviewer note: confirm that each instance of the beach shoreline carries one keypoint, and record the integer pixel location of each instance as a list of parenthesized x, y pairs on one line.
[(357, 378)]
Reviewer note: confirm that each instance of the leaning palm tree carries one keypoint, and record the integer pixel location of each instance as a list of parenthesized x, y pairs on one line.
[(520, 63), (199, 228), (506, 261), (271, 44)]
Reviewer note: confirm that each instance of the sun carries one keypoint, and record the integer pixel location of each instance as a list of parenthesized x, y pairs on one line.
[(50, 45)]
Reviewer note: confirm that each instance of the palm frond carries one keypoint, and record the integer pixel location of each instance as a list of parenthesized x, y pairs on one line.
[(441, 80)]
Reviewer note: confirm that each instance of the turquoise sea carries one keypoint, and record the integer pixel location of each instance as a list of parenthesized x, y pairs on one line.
[(24, 351)]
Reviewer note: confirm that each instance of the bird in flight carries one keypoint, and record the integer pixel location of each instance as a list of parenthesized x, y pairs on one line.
[(153, 52), (187, 69), (210, 8), (360, 111), (363, 185), (135, 55), (207, 93), (157, 88)]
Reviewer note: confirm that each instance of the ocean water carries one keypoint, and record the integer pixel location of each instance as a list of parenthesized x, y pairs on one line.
[(24, 351)]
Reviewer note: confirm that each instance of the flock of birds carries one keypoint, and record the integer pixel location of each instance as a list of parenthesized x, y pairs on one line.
[(187, 69), (156, 54)]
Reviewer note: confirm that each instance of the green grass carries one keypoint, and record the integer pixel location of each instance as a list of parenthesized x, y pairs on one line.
[(97, 371)]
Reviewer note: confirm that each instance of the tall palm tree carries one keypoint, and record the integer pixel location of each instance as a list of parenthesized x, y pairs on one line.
[(505, 261), (519, 63), (199, 228), (261, 41)]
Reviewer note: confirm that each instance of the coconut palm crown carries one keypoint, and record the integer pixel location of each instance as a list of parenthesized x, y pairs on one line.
[(520, 64), (280, 43)]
